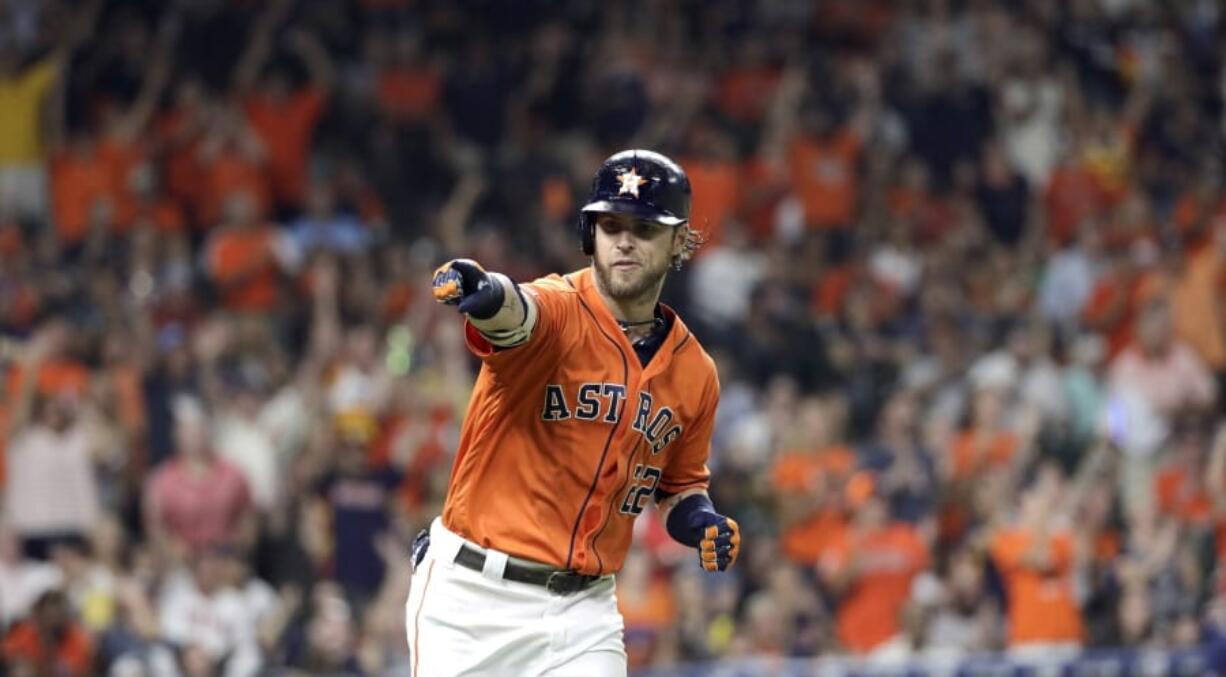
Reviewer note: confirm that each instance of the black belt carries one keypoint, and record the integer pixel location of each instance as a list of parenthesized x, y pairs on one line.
[(557, 581)]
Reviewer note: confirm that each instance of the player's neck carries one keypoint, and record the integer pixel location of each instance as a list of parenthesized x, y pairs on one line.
[(632, 311), (635, 312)]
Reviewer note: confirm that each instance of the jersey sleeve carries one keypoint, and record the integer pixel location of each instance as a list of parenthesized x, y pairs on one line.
[(687, 468), (553, 305)]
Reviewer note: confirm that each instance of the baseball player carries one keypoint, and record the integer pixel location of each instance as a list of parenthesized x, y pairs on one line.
[(592, 400)]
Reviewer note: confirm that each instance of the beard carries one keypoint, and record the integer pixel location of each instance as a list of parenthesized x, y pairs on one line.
[(632, 286)]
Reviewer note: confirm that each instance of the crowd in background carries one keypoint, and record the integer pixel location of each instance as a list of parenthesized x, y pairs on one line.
[(963, 284)]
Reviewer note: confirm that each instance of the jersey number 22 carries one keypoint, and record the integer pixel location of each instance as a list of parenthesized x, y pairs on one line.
[(646, 477)]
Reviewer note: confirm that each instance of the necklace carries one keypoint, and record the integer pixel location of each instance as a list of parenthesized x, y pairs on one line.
[(637, 335), (627, 325), (630, 328)]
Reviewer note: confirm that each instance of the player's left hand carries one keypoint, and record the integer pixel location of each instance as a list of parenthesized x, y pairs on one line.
[(721, 542)]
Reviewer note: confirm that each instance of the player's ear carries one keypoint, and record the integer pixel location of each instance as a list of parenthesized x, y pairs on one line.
[(686, 241), (681, 250), (681, 234)]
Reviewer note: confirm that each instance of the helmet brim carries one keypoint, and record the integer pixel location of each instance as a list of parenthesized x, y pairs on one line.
[(636, 209)]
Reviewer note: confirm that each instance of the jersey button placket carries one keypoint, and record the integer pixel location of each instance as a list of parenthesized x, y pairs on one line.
[(610, 473), (625, 443)]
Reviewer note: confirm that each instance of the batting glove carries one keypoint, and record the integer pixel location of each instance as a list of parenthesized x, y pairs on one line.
[(721, 542), (464, 283), (694, 522)]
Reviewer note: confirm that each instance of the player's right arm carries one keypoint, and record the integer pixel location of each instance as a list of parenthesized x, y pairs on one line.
[(495, 305)]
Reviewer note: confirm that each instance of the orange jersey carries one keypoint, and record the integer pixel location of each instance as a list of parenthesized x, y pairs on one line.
[(568, 437), (889, 559), (1042, 605)]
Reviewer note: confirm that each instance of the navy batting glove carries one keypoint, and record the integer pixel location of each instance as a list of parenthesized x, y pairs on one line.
[(721, 542), (695, 523), (464, 283)]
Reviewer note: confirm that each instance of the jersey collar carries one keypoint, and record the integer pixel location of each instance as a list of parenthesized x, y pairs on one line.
[(678, 335)]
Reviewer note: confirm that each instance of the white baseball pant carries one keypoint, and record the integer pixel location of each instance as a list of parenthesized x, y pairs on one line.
[(466, 622)]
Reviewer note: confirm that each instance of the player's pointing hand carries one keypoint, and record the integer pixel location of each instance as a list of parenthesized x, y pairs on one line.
[(464, 283)]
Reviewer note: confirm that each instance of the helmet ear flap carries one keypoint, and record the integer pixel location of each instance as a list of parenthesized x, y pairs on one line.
[(587, 233)]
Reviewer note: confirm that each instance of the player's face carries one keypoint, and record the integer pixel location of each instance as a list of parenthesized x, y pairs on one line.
[(632, 256)]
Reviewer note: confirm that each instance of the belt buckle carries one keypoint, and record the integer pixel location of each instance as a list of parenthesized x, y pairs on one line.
[(564, 582)]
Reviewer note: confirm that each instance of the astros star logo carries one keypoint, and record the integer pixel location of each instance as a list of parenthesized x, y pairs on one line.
[(630, 182)]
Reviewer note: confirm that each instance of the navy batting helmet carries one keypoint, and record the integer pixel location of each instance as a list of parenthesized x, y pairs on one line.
[(642, 183)]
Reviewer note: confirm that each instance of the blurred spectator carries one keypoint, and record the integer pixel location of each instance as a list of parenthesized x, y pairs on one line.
[(209, 622), (986, 449), (233, 182), (1031, 99), (22, 580), (648, 608), (1069, 278), (723, 279), (326, 641), (266, 611), (714, 178), (1027, 380), (80, 190), (1125, 283), (24, 181), (823, 163), (124, 149), (25, 126), (765, 627), (1036, 560), (170, 377), (51, 493), (808, 480), (1198, 317), (246, 257), (132, 643), (1165, 370), (955, 114), (964, 619), (408, 87), (905, 471), (357, 500), (870, 569), (322, 227), (50, 642), (1003, 197), (1071, 200), (282, 117), (89, 585), (774, 341), (181, 129), (243, 438), (197, 499)]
